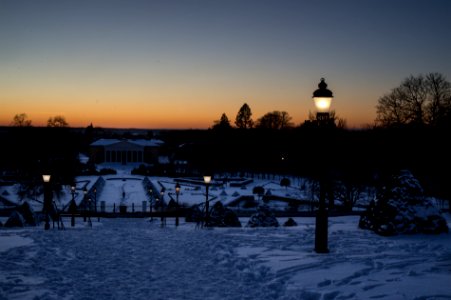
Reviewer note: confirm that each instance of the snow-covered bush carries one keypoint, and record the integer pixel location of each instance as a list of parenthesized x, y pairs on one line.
[(290, 223), (263, 218), (28, 214), (15, 220), (401, 207), (222, 217)]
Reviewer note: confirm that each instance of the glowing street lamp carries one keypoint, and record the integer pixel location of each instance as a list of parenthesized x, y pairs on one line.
[(322, 98), (207, 180), (47, 200), (177, 192)]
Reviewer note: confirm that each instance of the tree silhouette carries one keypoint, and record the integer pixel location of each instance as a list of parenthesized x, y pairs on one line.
[(244, 117), (259, 191), (57, 121), (421, 100), (285, 182), (21, 120), (336, 120), (275, 120), (223, 123)]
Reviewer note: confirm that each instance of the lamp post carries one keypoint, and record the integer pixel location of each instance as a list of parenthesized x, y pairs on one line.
[(322, 98), (85, 192), (207, 180), (177, 192), (95, 203), (89, 212), (150, 204), (95, 200), (72, 206), (163, 217), (47, 200)]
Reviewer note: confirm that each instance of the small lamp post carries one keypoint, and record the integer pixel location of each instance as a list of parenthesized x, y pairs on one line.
[(322, 98), (89, 212), (85, 192), (95, 199), (207, 180), (177, 192), (72, 206), (150, 203), (162, 193), (47, 200), (95, 203), (163, 217)]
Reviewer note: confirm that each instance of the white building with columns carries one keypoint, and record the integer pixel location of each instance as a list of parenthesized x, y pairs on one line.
[(125, 151)]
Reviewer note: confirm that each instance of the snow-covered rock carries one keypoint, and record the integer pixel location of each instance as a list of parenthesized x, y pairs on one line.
[(263, 218), (401, 207)]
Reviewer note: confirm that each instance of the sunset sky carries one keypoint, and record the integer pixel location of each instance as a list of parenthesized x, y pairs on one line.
[(181, 64)]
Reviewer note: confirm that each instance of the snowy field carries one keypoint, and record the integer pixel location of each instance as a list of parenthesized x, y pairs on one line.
[(137, 259), (128, 190)]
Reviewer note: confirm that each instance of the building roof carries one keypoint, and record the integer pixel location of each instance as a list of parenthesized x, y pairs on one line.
[(141, 142)]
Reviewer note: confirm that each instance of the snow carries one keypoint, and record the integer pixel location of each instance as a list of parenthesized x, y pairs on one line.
[(126, 258), (141, 142), (13, 241), (137, 259), (190, 194)]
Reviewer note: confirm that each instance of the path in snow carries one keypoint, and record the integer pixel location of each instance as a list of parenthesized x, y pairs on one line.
[(132, 259), (135, 259)]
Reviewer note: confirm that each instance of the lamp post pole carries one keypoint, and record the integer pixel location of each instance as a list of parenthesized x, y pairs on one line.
[(89, 212), (72, 206), (85, 192), (322, 98), (150, 204), (163, 217), (47, 200), (207, 180), (177, 192), (95, 203)]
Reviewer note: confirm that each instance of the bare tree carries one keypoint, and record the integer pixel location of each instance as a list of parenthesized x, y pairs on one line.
[(275, 120), (337, 121), (418, 100), (21, 120), (57, 121), (439, 93)]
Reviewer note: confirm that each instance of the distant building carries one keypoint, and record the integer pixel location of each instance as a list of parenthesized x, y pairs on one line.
[(125, 151)]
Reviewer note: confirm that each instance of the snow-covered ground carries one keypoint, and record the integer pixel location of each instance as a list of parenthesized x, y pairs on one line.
[(126, 189), (137, 259)]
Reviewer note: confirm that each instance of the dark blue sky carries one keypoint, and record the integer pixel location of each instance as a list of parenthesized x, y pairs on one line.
[(184, 63)]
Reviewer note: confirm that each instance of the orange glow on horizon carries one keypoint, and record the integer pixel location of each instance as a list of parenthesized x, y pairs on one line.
[(169, 110)]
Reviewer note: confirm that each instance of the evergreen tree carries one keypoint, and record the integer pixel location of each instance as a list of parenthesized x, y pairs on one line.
[(223, 123), (244, 117)]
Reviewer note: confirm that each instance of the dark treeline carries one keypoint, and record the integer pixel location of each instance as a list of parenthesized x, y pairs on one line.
[(357, 157), (29, 152)]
